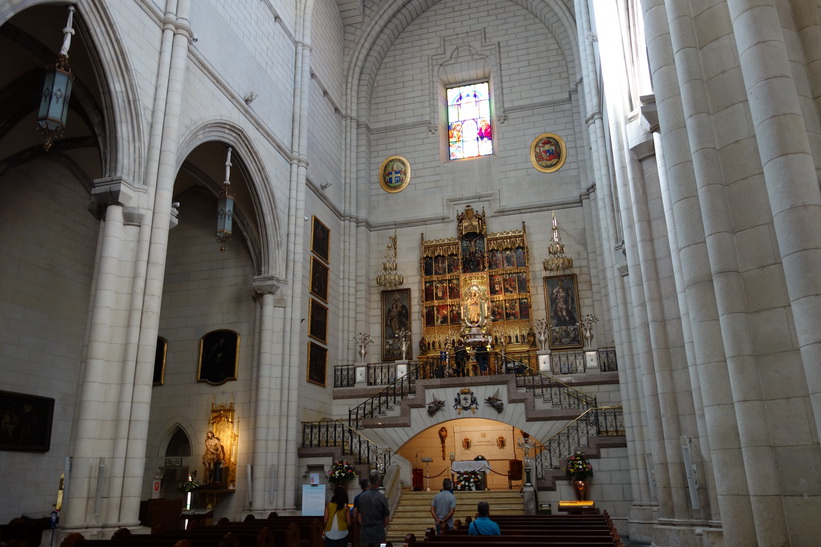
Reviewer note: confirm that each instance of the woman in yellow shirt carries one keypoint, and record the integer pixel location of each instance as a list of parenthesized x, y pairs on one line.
[(337, 519)]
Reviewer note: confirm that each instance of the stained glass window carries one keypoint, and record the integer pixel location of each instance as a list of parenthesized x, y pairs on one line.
[(469, 131)]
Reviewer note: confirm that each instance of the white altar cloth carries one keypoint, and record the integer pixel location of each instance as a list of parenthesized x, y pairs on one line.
[(470, 465)]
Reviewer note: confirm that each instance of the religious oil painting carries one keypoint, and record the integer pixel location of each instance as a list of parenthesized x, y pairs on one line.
[(219, 357), (319, 279), (321, 240), (26, 422), (159, 361), (548, 153), (318, 324), (562, 297), (394, 174), (396, 313), (317, 363)]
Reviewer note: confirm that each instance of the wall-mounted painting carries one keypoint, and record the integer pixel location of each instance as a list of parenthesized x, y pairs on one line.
[(219, 357), (26, 422), (159, 361), (317, 363), (562, 295), (319, 279), (318, 324), (321, 240), (547, 152), (396, 313), (394, 174)]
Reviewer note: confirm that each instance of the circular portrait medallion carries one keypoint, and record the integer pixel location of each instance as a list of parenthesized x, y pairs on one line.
[(394, 174), (547, 152)]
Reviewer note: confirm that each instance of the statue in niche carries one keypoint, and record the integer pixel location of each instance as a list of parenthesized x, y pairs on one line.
[(474, 307)]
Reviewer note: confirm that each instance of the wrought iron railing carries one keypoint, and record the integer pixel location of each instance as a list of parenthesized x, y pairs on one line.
[(549, 389), (561, 362), (328, 432), (607, 360), (553, 391), (594, 422)]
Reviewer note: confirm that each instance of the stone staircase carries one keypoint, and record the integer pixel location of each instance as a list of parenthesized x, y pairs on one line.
[(412, 515)]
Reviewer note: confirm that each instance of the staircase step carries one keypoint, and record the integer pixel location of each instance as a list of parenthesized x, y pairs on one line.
[(412, 514)]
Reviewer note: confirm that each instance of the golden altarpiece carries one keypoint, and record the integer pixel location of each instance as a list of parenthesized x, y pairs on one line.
[(496, 263)]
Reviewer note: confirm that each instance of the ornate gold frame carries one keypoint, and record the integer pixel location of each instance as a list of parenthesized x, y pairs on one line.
[(537, 163)]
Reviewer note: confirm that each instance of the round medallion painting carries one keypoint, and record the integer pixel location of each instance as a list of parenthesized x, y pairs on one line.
[(547, 153), (394, 174)]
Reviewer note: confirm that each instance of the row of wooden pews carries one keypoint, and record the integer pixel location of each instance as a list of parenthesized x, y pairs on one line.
[(571, 530), (274, 531)]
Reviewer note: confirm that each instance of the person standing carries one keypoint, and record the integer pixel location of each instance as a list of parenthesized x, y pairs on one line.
[(373, 513), (443, 506), (483, 526), (337, 519)]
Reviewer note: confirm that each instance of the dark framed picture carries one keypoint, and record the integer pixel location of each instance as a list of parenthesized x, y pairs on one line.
[(26, 422), (321, 240), (159, 361), (319, 279), (562, 295), (219, 357), (317, 363), (396, 310), (318, 325)]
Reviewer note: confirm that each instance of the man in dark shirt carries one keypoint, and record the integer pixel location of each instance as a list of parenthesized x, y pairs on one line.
[(373, 513)]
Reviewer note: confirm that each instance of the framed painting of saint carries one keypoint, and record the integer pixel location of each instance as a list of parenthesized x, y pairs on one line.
[(396, 310), (321, 240), (317, 363), (319, 279), (219, 357), (562, 295), (26, 422), (318, 324), (159, 361)]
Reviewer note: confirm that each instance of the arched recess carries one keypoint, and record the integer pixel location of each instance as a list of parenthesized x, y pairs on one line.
[(464, 439), (103, 112), (257, 216)]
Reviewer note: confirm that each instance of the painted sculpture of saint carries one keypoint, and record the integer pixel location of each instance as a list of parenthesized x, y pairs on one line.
[(474, 307)]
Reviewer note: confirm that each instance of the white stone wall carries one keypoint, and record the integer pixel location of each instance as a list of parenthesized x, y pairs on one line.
[(45, 282)]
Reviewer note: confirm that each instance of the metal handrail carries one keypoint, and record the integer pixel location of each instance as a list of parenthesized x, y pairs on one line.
[(331, 432), (593, 422)]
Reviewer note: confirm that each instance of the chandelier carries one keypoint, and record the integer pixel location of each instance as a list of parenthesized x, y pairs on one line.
[(556, 260), (225, 207), (56, 94), (390, 277)]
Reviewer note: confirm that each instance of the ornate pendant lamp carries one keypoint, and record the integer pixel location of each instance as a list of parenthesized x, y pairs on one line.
[(390, 277), (225, 207), (51, 117), (556, 260)]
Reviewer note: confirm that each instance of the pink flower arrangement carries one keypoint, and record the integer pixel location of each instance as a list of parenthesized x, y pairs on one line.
[(578, 468)]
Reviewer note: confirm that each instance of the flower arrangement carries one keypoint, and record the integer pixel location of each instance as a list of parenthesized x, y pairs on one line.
[(468, 480), (188, 486), (341, 471), (578, 468)]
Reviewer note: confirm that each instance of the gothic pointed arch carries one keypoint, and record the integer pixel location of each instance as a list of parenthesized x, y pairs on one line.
[(258, 218)]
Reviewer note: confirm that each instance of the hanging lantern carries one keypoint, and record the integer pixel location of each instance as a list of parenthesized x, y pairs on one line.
[(225, 207), (51, 117)]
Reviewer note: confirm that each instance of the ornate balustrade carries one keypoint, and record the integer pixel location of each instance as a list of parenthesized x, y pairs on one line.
[(332, 433), (594, 422)]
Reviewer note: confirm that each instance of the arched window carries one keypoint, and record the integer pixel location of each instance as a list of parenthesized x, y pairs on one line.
[(469, 129)]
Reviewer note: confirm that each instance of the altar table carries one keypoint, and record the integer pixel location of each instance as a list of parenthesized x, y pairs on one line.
[(465, 466)]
